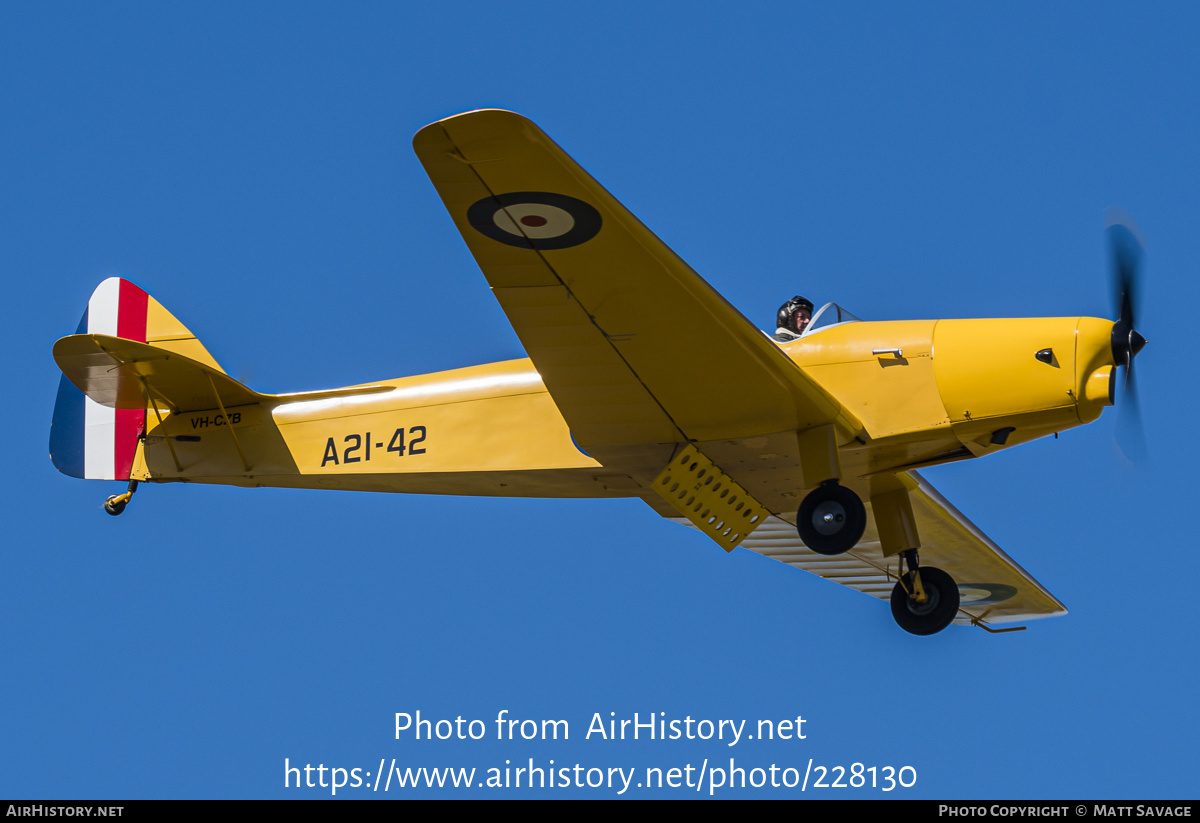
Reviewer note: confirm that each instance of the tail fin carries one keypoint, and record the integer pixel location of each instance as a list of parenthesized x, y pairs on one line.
[(97, 442)]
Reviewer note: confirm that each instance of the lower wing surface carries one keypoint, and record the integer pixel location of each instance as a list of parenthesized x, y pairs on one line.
[(992, 587)]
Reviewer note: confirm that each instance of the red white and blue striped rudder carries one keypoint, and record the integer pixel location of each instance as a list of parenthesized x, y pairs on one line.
[(87, 439)]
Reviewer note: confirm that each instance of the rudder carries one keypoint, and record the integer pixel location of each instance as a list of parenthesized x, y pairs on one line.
[(95, 442)]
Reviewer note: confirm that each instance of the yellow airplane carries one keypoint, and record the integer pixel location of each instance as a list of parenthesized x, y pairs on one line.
[(642, 381)]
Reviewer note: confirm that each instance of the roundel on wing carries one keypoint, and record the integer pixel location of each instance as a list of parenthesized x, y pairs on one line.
[(535, 219), (980, 594)]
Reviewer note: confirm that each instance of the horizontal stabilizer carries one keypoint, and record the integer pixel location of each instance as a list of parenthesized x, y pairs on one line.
[(124, 374)]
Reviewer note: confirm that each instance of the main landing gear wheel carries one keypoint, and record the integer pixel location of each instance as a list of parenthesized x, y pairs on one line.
[(831, 519), (939, 608)]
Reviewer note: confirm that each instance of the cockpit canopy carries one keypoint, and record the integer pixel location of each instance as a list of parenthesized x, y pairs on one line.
[(831, 314)]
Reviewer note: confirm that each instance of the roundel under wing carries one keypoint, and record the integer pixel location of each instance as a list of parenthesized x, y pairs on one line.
[(535, 219)]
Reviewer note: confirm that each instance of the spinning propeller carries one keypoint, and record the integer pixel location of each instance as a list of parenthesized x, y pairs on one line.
[(1125, 242)]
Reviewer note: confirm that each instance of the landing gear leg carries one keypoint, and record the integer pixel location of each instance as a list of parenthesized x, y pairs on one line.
[(115, 504), (925, 600), (831, 519)]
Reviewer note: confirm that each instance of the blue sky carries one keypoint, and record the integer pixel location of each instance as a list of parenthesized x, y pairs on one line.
[(251, 168)]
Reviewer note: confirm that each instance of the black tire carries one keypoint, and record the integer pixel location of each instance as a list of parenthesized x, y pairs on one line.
[(936, 613), (831, 519), (114, 506)]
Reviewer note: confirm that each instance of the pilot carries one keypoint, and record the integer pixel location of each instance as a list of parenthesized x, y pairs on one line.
[(792, 318)]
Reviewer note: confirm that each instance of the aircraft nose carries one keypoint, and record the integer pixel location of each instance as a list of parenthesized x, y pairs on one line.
[(1136, 341), (1126, 343)]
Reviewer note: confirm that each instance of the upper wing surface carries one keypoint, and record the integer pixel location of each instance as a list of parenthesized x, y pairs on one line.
[(634, 346)]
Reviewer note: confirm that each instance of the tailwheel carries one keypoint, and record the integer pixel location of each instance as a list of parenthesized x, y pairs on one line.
[(115, 504), (940, 601), (831, 519)]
